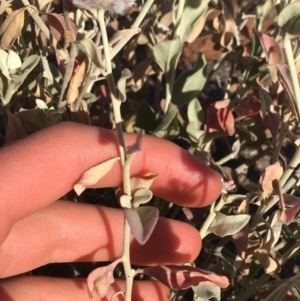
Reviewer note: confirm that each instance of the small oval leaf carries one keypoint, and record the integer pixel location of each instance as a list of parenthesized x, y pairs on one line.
[(224, 225), (142, 222)]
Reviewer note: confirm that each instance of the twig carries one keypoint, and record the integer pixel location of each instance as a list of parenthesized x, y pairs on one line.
[(116, 104)]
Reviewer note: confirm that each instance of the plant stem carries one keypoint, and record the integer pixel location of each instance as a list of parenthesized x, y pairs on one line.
[(291, 63), (129, 272), (116, 104)]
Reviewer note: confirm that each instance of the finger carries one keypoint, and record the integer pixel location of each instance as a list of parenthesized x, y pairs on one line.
[(43, 167), (66, 232), (53, 289)]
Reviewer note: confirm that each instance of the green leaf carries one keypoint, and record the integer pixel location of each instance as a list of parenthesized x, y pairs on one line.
[(142, 222), (195, 113), (169, 126), (30, 62), (289, 18), (166, 54), (192, 12), (224, 225), (196, 119), (189, 83)]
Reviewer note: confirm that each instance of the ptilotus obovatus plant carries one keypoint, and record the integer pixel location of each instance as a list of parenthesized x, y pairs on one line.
[(139, 219)]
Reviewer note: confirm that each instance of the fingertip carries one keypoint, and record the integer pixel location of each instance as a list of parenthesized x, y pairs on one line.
[(213, 187)]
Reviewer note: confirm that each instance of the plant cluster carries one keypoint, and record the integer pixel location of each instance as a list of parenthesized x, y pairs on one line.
[(219, 78)]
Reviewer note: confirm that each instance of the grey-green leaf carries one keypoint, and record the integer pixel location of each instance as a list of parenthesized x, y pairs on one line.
[(121, 85), (142, 222), (195, 113), (30, 62), (192, 12), (166, 54), (224, 225), (189, 83), (207, 292), (289, 18), (169, 126)]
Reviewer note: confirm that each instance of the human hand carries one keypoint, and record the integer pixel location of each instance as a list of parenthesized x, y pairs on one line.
[(35, 229)]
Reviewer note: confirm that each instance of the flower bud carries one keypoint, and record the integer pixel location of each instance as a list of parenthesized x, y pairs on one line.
[(118, 7)]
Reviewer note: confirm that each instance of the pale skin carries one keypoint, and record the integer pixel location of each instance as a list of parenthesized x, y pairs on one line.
[(36, 229)]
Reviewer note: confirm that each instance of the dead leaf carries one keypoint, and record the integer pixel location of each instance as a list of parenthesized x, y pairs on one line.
[(77, 80), (183, 277), (267, 259), (11, 28), (289, 204), (219, 117), (144, 181), (94, 174), (225, 26), (272, 172), (200, 25), (249, 106), (4, 4), (272, 50), (100, 279)]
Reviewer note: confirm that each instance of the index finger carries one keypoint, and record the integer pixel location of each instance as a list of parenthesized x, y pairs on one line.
[(41, 168)]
